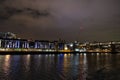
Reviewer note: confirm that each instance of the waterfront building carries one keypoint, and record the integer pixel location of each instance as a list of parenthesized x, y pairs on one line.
[(52, 45), (31, 44), (61, 46), (42, 44), (24, 43), (8, 41)]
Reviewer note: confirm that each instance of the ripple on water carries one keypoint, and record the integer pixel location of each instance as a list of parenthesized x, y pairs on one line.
[(60, 67)]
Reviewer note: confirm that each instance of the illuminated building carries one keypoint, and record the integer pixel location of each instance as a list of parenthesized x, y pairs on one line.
[(42, 44), (24, 43), (8, 41)]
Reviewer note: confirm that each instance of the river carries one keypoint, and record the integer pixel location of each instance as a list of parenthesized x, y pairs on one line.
[(84, 66)]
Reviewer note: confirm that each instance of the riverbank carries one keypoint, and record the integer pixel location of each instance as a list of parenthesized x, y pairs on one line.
[(55, 52)]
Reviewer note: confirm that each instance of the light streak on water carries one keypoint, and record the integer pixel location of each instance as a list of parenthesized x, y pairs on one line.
[(59, 66)]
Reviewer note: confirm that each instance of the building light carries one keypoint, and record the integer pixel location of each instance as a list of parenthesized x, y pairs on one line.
[(71, 45), (66, 48), (77, 50), (109, 45)]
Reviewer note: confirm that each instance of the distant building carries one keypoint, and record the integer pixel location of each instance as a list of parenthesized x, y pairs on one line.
[(42, 44), (8, 35), (9, 43)]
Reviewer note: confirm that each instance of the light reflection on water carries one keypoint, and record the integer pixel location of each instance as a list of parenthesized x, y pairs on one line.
[(6, 64), (79, 66)]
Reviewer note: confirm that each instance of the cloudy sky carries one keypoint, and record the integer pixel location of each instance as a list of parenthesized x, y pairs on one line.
[(82, 20)]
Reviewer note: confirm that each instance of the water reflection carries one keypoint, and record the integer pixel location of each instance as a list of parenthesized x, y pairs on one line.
[(85, 67), (6, 65), (56, 66), (27, 62)]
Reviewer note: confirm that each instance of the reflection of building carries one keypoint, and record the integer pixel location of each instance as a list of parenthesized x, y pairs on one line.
[(7, 35)]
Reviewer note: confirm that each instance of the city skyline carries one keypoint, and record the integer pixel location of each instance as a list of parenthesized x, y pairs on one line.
[(70, 20)]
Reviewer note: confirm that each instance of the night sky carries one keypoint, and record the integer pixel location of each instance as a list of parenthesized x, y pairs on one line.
[(82, 20)]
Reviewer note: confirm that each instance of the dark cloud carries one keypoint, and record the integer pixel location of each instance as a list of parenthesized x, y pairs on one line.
[(82, 20), (36, 13), (1, 1), (10, 11)]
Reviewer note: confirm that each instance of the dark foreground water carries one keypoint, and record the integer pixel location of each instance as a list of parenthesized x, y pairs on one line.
[(60, 67)]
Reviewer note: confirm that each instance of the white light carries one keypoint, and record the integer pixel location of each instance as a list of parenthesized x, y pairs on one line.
[(47, 50), (49, 54), (106, 53), (81, 50), (109, 45), (77, 50), (97, 53), (53, 55), (39, 55), (65, 55), (46, 55), (2, 49), (66, 48), (71, 45), (84, 54)]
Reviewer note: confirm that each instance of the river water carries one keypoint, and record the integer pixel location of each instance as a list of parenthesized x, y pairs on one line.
[(100, 66)]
